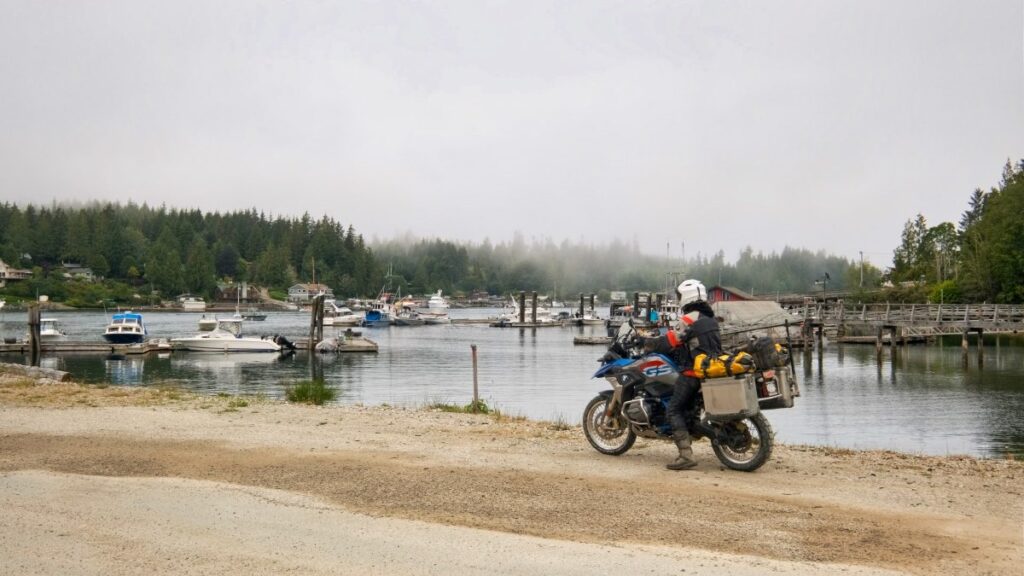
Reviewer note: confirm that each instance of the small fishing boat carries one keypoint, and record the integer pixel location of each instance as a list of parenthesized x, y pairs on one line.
[(226, 337), (381, 312), (125, 328)]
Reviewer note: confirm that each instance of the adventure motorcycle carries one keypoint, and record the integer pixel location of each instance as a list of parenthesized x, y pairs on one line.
[(727, 411)]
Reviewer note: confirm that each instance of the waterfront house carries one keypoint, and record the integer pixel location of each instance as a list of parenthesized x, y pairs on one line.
[(11, 273), (303, 293)]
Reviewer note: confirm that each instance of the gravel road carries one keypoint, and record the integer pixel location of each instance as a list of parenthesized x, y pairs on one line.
[(125, 481)]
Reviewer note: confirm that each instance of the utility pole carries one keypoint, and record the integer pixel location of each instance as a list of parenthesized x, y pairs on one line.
[(861, 268)]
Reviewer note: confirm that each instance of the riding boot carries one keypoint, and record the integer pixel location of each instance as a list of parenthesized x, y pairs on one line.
[(685, 459)]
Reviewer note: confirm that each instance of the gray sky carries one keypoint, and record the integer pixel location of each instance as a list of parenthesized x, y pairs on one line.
[(823, 125)]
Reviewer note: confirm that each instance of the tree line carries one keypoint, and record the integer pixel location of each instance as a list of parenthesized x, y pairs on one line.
[(140, 249), (978, 259)]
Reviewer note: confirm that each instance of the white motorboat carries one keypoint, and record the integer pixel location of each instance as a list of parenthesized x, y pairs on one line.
[(335, 315), (226, 337), (207, 323), (191, 303), (510, 313), (125, 328), (436, 319), (436, 311), (49, 331), (408, 317)]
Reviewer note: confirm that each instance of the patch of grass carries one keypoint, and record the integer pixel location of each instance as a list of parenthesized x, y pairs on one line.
[(479, 407), (560, 424), (238, 403), (310, 392)]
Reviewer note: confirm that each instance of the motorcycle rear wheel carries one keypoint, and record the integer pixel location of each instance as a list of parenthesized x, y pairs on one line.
[(611, 436), (745, 445)]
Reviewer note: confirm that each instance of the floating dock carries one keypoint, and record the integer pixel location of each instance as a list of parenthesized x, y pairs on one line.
[(593, 340)]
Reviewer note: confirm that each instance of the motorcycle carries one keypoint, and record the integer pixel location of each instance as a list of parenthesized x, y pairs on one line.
[(727, 410)]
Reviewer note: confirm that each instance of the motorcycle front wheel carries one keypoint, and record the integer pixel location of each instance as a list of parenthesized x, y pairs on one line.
[(611, 435), (745, 445)]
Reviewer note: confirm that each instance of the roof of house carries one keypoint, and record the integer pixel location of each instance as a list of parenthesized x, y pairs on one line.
[(736, 291)]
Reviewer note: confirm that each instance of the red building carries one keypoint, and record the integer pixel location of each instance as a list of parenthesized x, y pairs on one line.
[(728, 294)]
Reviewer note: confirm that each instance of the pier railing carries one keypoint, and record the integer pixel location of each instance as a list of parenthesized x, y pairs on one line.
[(924, 318)]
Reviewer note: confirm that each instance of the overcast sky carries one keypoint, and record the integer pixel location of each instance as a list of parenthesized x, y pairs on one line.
[(823, 125)]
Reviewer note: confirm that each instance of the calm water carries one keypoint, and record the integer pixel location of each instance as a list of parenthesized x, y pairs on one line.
[(920, 399)]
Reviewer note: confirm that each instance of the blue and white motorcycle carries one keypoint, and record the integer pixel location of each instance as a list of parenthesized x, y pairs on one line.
[(727, 411)]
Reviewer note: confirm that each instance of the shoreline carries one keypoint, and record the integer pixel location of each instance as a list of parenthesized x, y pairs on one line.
[(810, 510)]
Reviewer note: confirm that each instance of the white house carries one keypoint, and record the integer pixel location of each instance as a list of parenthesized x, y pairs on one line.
[(301, 293)]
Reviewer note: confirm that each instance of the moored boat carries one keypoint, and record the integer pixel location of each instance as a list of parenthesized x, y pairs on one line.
[(381, 312), (125, 328), (254, 314), (190, 303), (49, 331), (207, 323), (335, 315), (226, 337)]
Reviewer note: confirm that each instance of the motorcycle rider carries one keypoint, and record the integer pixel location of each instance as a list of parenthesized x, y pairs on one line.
[(697, 333)]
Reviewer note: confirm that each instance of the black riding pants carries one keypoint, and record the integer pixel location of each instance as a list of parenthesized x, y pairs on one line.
[(682, 399)]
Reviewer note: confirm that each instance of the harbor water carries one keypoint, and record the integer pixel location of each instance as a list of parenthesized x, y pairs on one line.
[(919, 399)]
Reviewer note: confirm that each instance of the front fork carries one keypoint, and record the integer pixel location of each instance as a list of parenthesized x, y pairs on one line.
[(613, 404)]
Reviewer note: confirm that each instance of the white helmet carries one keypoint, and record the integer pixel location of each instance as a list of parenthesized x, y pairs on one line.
[(691, 291)]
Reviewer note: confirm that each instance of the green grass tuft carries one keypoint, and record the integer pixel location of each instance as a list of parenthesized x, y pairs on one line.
[(310, 392)]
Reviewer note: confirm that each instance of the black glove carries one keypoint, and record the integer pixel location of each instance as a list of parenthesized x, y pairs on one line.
[(657, 344)]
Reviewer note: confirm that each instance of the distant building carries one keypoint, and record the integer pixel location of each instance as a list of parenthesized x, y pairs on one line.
[(9, 273), (233, 292), (728, 294), (301, 293), (73, 271)]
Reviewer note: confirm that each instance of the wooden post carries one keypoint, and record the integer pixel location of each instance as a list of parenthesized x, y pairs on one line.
[(592, 297), (581, 304), (912, 306), (636, 304), (316, 321), (938, 314), (34, 342), (522, 307), (963, 345), (863, 311), (981, 346), (476, 388), (533, 316), (995, 313), (878, 343), (967, 308)]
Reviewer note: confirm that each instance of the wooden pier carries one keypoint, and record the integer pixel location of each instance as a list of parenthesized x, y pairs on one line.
[(901, 324)]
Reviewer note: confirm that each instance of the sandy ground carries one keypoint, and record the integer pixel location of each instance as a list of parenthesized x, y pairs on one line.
[(127, 481)]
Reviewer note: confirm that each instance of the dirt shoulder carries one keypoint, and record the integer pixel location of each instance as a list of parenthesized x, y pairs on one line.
[(810, 510)]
